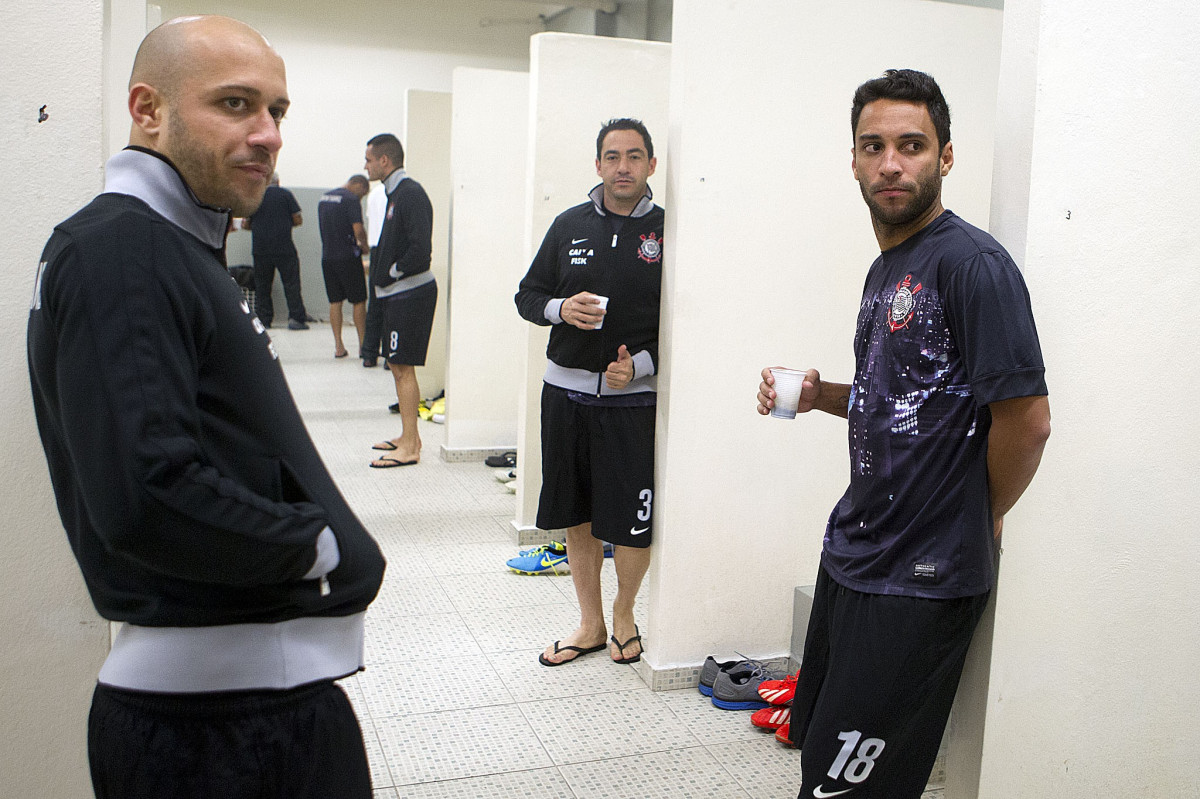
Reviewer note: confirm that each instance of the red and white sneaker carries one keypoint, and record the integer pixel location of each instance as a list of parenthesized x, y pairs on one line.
[(771, 718), (781, 735), (779, 692)]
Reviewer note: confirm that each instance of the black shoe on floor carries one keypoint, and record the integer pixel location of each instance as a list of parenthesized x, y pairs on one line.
[(508, 459), (394, 407), (370, 363), (296, 324)]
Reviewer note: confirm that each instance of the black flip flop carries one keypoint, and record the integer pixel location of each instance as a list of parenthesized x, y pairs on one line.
[(390, 463), (381, 446), (589, 650), (621, 646)]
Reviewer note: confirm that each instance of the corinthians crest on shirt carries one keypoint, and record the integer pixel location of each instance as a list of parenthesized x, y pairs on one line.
[(904, 304), (650, 250)]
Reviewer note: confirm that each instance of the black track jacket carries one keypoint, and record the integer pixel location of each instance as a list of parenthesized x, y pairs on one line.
[(581, 252), (189, 488)]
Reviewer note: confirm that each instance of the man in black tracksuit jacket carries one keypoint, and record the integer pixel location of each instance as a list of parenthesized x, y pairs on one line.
[(405, 288), (194, 500), (598, 398)]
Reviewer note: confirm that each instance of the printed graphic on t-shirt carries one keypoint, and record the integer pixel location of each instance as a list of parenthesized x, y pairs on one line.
[(909, 367)]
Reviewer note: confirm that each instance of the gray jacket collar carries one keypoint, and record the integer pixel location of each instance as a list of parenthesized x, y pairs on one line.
[(393, 180), (153, 179), (641, 209)]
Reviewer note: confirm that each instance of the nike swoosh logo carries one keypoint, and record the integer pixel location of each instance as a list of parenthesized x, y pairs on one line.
[(819, 793), (635, 531), (578, 241)]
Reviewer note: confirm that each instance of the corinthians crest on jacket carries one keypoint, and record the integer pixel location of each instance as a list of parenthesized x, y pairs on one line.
[(650, 250)]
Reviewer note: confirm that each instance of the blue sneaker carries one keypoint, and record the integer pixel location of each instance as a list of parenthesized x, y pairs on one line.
[(543, 562)]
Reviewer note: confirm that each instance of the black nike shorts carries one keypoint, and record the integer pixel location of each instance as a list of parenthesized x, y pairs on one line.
[(407, 324), (598, 467), (876, 685)]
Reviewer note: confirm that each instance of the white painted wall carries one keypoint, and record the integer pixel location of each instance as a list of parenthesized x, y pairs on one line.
[(577, 83), (351, 65), (427, 159), (770, 243), (54, 642), (489, 139), (1093, 687)]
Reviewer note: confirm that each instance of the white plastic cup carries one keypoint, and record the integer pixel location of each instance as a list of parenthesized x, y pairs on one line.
[(603, 306), (788, 383)]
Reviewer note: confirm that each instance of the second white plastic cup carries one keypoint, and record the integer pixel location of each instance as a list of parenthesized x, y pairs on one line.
[(603, 306), (788, 383)]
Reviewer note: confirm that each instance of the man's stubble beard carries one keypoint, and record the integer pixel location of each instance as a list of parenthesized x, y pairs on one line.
[(927, 192), (201, 167)]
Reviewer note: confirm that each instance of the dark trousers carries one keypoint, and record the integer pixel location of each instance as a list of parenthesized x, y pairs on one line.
[(304, 743), (373, 330), (288, 265)]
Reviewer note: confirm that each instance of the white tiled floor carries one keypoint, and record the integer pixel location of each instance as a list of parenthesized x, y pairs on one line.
[(453, 703)]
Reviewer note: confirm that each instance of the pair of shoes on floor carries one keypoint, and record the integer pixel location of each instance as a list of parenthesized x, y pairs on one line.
[(581, 651), (548, 559), (296, 324), (507, 460), (737, 688)]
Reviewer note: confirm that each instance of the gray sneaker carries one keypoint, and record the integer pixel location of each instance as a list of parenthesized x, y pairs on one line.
[(739, 690), (712, 667)]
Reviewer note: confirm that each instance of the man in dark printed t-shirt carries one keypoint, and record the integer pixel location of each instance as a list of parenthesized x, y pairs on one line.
[(947, 418)]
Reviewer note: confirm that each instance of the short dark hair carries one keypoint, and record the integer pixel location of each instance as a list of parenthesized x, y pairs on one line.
[(908, 85), (358, 180), (625, 123), (387, 144)]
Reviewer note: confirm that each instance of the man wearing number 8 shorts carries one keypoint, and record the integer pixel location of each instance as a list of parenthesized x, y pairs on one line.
[(598, 398), (947, 418), (403, 283)]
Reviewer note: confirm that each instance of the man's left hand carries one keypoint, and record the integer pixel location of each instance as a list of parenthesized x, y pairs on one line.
[(620, 372)]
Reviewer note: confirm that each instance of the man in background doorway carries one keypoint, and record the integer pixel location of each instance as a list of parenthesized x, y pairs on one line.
[(947, 419), (598, 394), (376, 211), (197, 506), (406, 289), (273, 249), (343, 241)]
